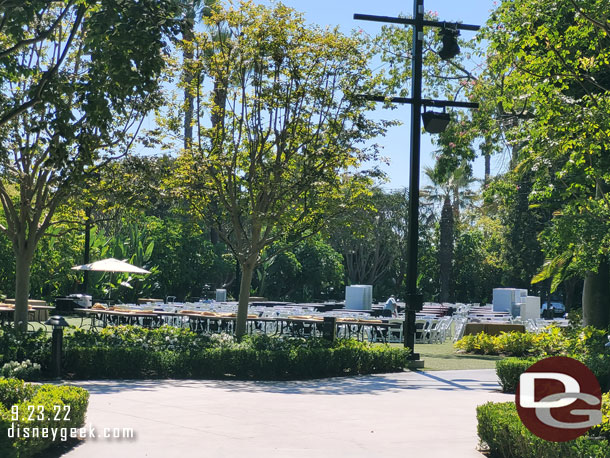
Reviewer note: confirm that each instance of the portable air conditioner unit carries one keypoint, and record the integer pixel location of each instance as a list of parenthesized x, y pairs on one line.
[(221, 295), (530, 310), (506, 299), (359, 297)]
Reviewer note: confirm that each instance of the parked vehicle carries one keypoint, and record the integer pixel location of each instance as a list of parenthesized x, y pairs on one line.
[(552, 309)]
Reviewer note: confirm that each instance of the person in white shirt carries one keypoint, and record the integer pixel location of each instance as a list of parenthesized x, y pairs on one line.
[(392, 306)]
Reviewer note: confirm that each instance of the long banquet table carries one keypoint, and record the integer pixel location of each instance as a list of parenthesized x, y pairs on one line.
[(303, 326), (38, 313)]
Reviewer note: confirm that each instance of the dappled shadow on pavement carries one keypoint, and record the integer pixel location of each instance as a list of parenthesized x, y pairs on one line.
[(354, 385)]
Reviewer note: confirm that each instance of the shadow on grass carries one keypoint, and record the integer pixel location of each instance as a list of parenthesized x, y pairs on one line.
[(463, 357)]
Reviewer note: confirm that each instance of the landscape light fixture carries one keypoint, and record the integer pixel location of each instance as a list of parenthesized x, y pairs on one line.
[(449, 33), (435, 122), (450, 47), (58, 324)]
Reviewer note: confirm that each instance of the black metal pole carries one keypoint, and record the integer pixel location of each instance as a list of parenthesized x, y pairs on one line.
[(413, 299), (329, 328), (56, 350)]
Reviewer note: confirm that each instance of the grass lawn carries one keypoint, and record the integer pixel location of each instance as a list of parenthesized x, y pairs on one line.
[(72, 321), (443, 357)]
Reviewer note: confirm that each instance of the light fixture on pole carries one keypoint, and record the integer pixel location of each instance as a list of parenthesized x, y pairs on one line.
[(449, 33), (450, 48), (435, 122)]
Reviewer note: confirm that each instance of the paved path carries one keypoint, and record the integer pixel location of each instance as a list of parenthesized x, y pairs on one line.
[(411, 414)]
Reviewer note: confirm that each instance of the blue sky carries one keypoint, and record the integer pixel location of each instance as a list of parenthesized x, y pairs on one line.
[(340, 12)]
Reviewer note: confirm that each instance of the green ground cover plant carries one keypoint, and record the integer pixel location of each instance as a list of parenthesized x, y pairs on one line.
[(502, 432), (24, 405), (584, 344), (551, 341)]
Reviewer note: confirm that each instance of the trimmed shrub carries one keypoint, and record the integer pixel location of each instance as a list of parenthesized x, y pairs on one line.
[(133, 352), (169, 352), (481, 343), (500, 429), (603, 430), (515, 343), (510, 369), (35, 346), (296, 359), (553, 341), (25, 370), (37, 406)]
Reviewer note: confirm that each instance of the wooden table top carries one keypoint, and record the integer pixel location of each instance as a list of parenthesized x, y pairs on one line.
[(232, 317)]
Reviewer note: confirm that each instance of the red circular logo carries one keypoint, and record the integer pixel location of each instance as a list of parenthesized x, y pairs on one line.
[(558, 399)]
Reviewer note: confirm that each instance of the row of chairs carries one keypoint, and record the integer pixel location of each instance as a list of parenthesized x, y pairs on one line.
[(433, 331)]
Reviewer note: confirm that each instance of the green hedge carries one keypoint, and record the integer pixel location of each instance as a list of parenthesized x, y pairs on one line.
[(137, 352), (510, 369), (500, 428), (16, 394), (551, 341), (296, 360)]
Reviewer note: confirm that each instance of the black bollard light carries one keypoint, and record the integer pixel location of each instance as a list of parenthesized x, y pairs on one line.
[(58, 323), (329, 328)]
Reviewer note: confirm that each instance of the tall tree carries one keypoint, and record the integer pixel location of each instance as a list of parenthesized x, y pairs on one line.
[(24, 27), (450, 189), (371, 238), (555, 55), (275, 164), (79, 77)]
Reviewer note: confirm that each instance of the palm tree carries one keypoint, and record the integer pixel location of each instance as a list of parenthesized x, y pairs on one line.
[(196, 9), (193, 10), (451, 193)]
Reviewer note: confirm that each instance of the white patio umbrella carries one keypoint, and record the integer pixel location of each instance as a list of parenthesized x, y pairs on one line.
[(111, 265)]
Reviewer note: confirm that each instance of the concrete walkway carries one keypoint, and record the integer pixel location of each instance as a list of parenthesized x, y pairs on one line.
[(410, 414)]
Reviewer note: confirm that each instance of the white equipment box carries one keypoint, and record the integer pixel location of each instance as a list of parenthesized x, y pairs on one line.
[(359, 297)]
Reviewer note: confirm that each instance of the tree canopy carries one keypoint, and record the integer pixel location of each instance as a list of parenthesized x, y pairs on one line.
[(274, 165), (77, 78), (551, 61)]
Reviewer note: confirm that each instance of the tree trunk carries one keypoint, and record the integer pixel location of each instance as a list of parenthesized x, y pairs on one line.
[(596, 297), (456, 203), (487, 168), (236, 283), (446, 250), (572, 287), (188, 35), (22, 290), (247, 270), (217, 120)]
